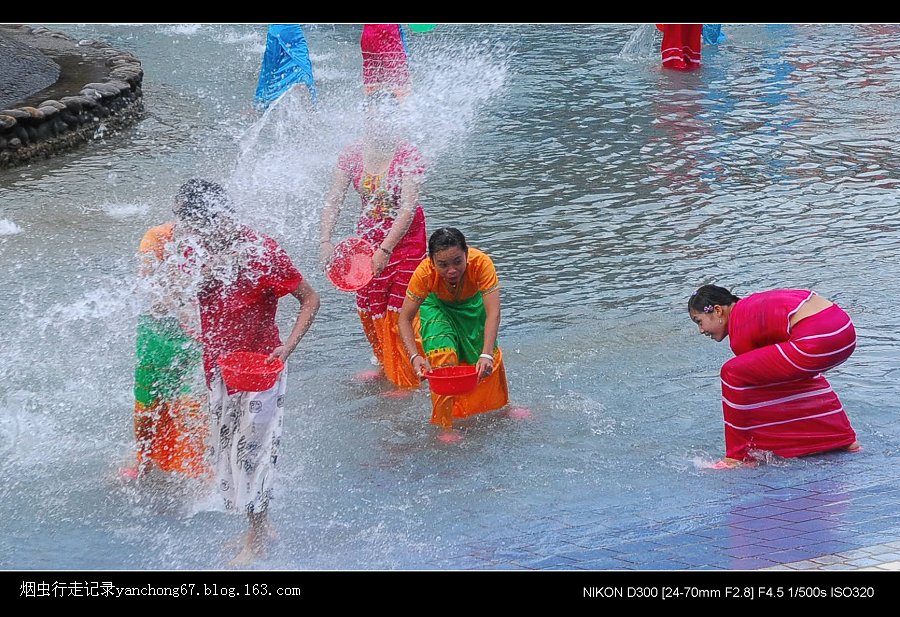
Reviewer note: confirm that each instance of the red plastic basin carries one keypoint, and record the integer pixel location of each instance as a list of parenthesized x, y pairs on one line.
[(350, 266), (452, 380), (247, 371)]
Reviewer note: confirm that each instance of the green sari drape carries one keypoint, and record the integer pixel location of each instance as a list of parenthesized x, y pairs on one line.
[(453, 325), (166, 358)]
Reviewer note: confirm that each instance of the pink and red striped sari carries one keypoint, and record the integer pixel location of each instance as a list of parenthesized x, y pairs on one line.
[(379, 302), (774, 395), (680, 45)]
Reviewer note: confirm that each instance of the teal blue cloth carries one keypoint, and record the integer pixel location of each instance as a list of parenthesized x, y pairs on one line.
[(712, 34), (285, 63), (403, 40)]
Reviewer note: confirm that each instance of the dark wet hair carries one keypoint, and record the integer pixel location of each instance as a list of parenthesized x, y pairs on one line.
[(708, 296), (202, 201), (445, 238)]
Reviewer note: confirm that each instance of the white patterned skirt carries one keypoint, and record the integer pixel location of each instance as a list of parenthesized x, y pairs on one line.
[(245, 433)]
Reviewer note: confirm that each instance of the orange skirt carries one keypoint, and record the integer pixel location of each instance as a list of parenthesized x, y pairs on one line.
[(384, 337), (492, 392), (173, 436)]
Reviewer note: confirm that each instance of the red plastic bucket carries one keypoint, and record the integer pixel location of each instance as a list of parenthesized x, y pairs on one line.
[(247, 371), (350, 266), (452, 380)]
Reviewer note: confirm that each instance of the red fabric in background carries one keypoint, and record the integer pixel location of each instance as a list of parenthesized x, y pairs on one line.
[(680, 45)]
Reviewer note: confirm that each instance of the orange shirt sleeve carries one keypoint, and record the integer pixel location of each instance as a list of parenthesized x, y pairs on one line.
[(154, 241), (485, 274)]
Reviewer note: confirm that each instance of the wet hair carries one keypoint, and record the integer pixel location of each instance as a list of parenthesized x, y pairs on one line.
[(708, 296), (202, 201), (445, 238)]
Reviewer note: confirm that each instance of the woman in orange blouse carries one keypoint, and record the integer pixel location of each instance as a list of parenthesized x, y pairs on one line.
[(457, 296)]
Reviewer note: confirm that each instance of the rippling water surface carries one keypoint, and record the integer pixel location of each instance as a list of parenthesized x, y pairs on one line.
[(605, 189)]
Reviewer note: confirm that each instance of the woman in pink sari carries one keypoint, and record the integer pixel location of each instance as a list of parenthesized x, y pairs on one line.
[(775, 397), (386, 172)]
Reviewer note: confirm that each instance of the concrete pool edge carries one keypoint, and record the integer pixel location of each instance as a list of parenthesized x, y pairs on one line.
[(98, 91)]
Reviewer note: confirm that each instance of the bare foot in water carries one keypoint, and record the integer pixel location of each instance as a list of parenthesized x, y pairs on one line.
[(448, 435), (398, 393), (519, 413), (254, 541), (129, 473), (369, 375), (239, 542), (251, 551), (732, 463), (854, 447)]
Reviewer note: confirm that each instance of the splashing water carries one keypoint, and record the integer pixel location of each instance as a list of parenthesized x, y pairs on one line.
[(453, 84), (287, 156), (185, 29), (642, 44), (8, 228)]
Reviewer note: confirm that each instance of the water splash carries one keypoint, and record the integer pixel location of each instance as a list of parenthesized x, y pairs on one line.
[(125, 211), (242, 37), (8, 228), (452, 85), (702, 462), (185, 29), (102, 305), (287, 156), (642, 44), (597, 417)]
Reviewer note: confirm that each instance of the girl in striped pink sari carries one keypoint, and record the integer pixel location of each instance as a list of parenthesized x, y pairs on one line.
[(775, 397)]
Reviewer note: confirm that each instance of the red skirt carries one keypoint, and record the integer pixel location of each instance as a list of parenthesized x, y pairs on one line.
[(776, 399), (384, 60), (681, 45)]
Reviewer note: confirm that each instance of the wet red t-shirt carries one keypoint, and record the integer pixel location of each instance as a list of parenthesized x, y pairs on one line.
[(238, 313)]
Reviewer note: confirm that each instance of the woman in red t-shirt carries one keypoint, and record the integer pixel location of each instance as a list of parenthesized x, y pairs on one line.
[(242, 274)]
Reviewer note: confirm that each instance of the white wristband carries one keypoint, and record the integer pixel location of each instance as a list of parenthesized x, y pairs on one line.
[(487, 356)]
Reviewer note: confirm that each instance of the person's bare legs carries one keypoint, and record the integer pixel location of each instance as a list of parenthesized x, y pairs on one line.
[(442, 415), (254, 541)]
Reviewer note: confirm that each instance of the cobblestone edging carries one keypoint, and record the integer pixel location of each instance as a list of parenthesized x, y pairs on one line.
[(51, 126)]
